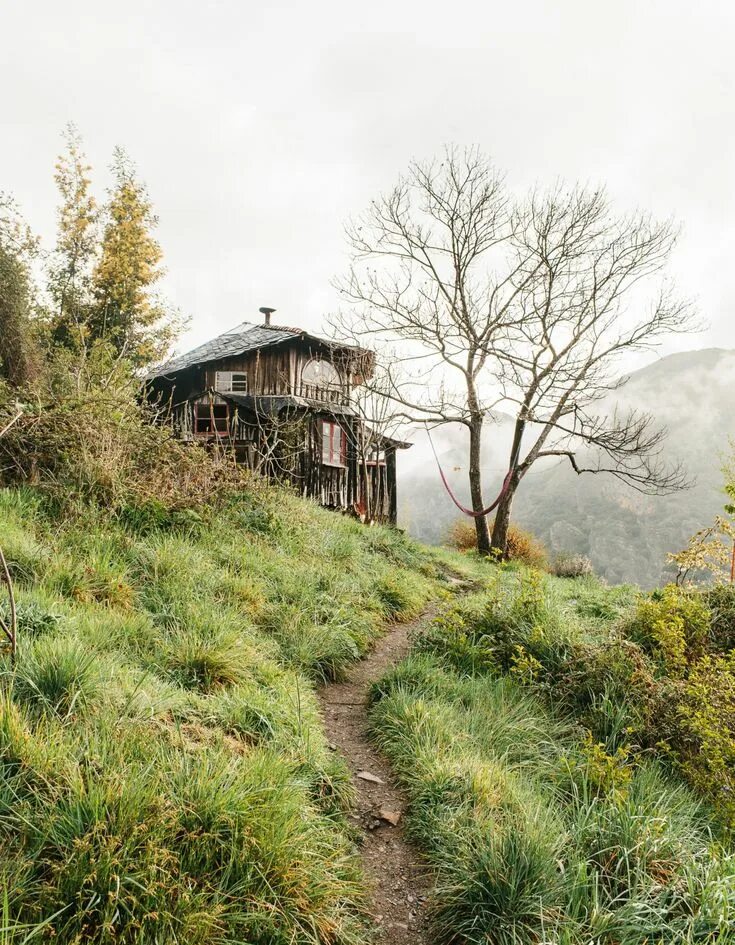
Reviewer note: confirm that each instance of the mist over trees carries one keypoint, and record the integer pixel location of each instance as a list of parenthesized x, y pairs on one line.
[(487, 302)]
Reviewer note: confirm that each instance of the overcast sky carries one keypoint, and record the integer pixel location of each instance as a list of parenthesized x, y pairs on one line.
[(260, 127)]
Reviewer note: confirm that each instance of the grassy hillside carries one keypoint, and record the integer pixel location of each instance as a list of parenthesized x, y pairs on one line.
[(568, 748), (163, 773), (569, 779)]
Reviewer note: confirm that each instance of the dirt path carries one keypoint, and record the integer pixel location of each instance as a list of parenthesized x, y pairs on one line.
[(398, 882)]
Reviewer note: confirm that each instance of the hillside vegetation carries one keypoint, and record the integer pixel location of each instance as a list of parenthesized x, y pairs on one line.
[(163, 773), (568, 751)]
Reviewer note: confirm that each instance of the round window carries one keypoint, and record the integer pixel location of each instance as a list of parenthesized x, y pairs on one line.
[(320, 374)]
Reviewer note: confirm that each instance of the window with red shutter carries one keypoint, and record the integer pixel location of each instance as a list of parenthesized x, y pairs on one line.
[(334, 444)]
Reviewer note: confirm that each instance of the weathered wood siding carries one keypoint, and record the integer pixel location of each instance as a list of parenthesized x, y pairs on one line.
[(277, 371)]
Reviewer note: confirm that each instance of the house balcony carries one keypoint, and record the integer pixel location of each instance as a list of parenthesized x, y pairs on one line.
[(331, 394)]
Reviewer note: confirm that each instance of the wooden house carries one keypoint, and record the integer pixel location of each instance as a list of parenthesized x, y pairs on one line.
[(285, 402)]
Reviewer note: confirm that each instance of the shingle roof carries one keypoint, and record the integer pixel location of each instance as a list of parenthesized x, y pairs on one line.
[(244, 337)]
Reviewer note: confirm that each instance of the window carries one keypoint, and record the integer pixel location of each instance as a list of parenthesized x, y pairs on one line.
[(320, 375), (211, 418), (376, 457), (334, 444), (232, 381)]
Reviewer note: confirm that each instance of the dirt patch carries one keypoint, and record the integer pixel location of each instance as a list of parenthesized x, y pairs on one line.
[(398, 880)]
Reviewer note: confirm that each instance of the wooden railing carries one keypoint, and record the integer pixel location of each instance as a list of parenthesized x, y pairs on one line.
[(324, 395)]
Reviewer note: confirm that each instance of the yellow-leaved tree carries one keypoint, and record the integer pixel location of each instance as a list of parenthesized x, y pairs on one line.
[(710, 553), (127, 312)]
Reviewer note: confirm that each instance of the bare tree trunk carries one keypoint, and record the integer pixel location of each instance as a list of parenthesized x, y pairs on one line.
[(483, 533), (502, 520)]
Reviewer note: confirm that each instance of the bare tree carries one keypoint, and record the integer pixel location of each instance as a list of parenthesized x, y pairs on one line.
[(376, 419), (435, 299), (589, 292), (524, 308)]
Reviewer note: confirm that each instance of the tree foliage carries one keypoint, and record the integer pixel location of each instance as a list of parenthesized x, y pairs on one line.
[(70, 268), (107, 262), (19, 355), (710, 553), (126, 311)]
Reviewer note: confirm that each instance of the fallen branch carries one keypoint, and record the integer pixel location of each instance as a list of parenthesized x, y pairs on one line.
[(8, 425)]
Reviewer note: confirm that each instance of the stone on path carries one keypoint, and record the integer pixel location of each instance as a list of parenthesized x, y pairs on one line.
[(367, 776)]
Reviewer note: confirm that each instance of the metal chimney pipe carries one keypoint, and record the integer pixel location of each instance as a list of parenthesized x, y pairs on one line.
[(267, 312)]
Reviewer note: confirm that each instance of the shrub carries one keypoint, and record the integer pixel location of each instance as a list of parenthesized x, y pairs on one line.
[(461, 535), (568, 565), (525, 547), (721, 601), (522, 545), (708, 729), (516, 622), (672, 624)]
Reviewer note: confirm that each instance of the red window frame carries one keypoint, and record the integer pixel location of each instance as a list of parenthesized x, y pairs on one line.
[(334, 444)]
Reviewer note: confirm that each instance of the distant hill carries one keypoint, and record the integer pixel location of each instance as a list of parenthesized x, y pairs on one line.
[(627, 535)]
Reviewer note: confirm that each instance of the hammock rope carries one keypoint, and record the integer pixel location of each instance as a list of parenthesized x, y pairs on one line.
[(453, 497)]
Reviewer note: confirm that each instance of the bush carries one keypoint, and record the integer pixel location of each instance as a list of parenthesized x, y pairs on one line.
[(708, 729), (673, 625), (461, 535), (522, 545), (526, 548), (568, 565), (519, 622), (721, 601)]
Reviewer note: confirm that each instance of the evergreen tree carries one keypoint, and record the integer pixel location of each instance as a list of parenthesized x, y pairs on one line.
[(127, 313)]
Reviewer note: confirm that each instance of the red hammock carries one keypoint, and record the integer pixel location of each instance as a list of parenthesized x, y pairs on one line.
[(453, 497)]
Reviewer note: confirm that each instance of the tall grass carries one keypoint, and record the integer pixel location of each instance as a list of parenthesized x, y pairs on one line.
[(537, 831), (163, 773)]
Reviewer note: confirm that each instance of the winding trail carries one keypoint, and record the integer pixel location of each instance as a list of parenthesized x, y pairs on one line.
[(398, 881)]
